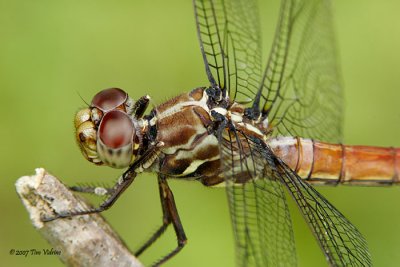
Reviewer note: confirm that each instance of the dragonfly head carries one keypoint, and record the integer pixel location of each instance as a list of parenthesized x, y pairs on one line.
[(106, 131)]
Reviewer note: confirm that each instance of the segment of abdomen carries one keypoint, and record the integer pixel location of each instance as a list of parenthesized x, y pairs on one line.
[(324, 163)]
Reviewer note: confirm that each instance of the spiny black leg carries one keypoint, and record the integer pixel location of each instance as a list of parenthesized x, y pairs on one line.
[(140, 106), (152, 239), (97, 190), (125, 180), (123, 183), (168, 203)]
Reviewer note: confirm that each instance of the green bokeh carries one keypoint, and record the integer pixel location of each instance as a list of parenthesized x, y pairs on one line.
[(51, 51)]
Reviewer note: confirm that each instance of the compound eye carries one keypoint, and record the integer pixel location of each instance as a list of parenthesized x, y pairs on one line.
[(109, 99), (116, 129)]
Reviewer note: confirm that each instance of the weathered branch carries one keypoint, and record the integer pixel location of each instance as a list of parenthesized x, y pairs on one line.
[(82, 240)]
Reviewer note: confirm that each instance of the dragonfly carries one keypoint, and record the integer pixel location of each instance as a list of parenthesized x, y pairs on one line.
[(260, 128)]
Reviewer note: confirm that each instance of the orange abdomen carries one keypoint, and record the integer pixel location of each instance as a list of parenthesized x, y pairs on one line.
[(325, 163)]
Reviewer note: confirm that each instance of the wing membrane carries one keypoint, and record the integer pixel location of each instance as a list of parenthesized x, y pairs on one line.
[(230, 44), (300, 93), (301, 90), (341, 242), (259, 212)]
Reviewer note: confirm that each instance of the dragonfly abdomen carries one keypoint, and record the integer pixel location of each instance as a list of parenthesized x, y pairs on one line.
[(325, 163)]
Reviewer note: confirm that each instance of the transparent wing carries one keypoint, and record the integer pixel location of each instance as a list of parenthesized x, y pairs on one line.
[(258, 208), (300, 89), (230, 44), (259, 213), (341, 242), (301, 92)]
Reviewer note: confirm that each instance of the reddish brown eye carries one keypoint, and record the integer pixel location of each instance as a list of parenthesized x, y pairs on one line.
[(116, 129), (109, 99)]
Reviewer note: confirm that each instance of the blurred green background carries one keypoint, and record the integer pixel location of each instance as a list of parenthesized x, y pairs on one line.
[(52, 50)]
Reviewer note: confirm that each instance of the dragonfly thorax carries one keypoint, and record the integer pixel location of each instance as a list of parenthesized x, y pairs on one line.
[(187, 127)]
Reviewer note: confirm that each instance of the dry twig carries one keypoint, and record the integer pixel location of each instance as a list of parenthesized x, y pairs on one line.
[(82, 240)]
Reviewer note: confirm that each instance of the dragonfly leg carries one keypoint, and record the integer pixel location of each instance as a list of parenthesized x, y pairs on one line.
[(123, 183), (170, 215), (125, 180), (97, 190), (140, 106)]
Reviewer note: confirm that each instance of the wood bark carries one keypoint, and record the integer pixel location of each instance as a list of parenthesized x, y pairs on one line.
[(86, 240)]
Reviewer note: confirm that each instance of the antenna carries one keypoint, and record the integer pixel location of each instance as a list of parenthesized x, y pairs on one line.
[(82, 98)]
